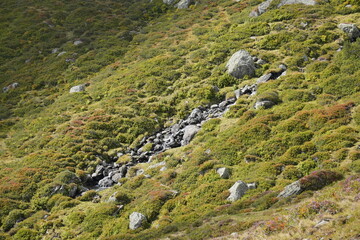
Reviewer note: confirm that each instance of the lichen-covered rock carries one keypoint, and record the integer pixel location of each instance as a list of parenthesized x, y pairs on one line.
[(241, 64), (237, 191), (136, 220), (351, 30)]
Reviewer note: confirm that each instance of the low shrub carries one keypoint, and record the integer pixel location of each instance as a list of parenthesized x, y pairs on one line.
[(319, 179)]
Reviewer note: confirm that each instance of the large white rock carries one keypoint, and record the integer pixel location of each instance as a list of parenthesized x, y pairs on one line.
[(189, 133), (237, 191), (136, 220), (241, 64)]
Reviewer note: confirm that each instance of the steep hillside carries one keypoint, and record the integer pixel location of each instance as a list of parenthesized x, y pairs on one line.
[(281, 162)]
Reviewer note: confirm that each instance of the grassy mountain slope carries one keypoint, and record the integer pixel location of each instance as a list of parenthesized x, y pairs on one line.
[(149, 65)]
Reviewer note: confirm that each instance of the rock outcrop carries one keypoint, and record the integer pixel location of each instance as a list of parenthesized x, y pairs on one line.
[(241, 64), (136, 220)]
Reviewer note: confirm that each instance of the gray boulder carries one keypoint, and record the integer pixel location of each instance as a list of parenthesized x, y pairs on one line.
[(223, 172), (183, 4), (290, 190), (241, 64), (264, 104), (106, 182), (189, 133), (136, 220), (237, 191), (288, 2), (78, 88), (351, 30)]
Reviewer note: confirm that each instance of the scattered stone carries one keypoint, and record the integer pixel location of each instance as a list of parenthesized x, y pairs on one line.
[(136, 220), (290, 190), (241, 64), (223, 172), (163, 169), (351, 30), (237, 191), (189, 133)]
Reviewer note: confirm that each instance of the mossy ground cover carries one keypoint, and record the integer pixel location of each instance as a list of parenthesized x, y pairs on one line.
[(148, 66)]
